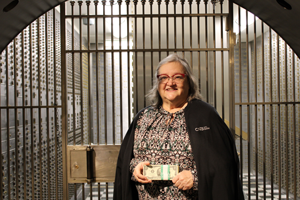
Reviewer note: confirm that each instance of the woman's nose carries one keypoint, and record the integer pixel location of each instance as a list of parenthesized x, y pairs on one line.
[(170, 81)]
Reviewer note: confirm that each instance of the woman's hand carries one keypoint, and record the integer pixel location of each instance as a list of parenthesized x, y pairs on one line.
[(138, 173), (184, 180)]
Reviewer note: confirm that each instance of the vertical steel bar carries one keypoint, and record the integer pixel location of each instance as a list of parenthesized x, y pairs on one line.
[(81, 71), (96, 26), (99, 193), (104, 63), (47, 104), (263, 107), (175, 31), (167, 26), (31, 112), (231, 69), (159, 32), (120, 72), (106, 191), (279, 119), (240, 88), (222, 64), (90, 110), (23, 114), (90, 81), (271, 113), (248, 107), (182, 27), (73, 75), (206, 52), (135, 59), (198, 40), (55, 104), (286, 125), (255, 108), (151, 37), (75, 191), (294, 128), (7, 126), (1, 160), (128, 64), (113, 77), (81, 87), (39, 106), (64, 91), (214, 60), (97, 72), (144, 67), (15, 179)]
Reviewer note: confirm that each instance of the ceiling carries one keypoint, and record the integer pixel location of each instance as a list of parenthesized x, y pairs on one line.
[(285, 22)]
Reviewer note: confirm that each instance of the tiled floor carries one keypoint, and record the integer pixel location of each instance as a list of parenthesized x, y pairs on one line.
[(257, 194), (102, 194)]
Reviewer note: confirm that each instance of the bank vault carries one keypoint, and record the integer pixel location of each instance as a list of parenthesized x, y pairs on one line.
[(72, 81)]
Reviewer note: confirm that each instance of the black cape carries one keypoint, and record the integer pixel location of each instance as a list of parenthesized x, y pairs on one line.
[(214, 152)]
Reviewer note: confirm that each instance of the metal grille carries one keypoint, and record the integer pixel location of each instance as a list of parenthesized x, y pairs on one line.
[(31, 159), (109, 53), (112, 49), (267, 110)]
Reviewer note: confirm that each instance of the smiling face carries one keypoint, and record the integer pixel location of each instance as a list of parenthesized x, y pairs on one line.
[(171, 92)]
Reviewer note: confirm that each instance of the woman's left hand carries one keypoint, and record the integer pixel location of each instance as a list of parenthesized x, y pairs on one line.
[(184, 180)]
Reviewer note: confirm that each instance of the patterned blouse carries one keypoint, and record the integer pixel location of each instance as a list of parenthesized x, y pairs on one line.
[(162, 139)]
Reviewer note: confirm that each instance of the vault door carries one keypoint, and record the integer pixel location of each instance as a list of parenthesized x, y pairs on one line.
[(111, 52)]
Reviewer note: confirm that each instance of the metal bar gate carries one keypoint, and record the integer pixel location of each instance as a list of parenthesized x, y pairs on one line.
[(72, 81), (266, 107), (112, 48)]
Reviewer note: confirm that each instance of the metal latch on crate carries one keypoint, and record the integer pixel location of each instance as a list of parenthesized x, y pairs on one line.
[(95, 163)]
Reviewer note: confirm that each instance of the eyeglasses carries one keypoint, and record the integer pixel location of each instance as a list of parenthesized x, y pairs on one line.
[(177, 78)]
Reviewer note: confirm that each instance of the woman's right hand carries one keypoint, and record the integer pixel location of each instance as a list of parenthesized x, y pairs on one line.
[(138, 173)]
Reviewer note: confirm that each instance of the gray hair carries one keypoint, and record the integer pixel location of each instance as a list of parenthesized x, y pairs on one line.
[(153, 95)]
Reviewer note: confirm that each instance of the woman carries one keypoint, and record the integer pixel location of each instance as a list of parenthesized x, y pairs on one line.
[(178, 129)]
